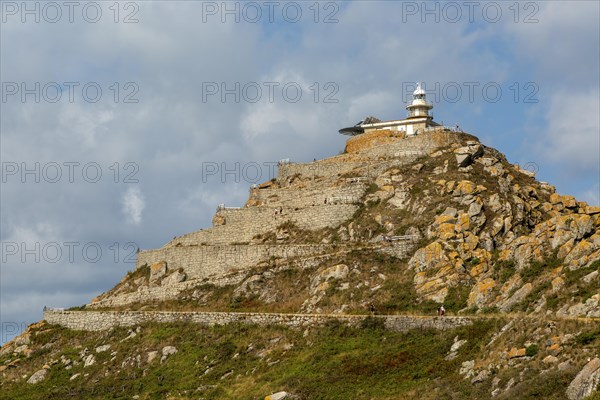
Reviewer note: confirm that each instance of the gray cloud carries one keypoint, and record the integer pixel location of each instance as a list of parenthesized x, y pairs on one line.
[(133, 205)]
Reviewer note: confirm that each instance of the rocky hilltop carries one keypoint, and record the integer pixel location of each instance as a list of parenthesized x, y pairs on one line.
[(393, 226)]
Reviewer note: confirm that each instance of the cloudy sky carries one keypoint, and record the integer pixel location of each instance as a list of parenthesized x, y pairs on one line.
[(125, 124)]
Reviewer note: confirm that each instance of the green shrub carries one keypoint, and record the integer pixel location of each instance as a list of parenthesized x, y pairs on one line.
[(77, 308), (457, 298), (472, 310), (584, 292), (373, 203), (552, 301), (531, 350), (573, 277), (532, 271), (548, 386), (372, 188), (504, 270), (536, 267), (585, 338), (415, 190)]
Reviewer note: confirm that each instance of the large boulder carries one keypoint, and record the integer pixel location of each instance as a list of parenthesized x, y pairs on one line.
[(167, 351), (277, 396), (89, 360), (339, 271), (152, 355), (252, 285), (586, 381), (38, 376), (103, 348), (174, 278), (590, 309), (467, 369), (482, 293), (158, 270), (583, 253), (435, 271), (400, 199), (518, 296), (570, 226), (467, 154)]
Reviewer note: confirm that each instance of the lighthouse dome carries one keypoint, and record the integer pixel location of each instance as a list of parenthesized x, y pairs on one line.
[(419, 91)]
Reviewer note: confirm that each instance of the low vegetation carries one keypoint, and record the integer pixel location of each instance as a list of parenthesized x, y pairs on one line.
[(249, 362)]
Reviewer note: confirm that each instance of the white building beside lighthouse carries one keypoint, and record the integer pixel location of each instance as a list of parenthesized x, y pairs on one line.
[(416, 122)]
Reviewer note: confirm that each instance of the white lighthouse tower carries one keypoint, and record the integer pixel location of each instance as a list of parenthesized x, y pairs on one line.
[(419, 107)]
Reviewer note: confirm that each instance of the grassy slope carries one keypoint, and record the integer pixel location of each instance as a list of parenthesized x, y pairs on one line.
[(333, 362)]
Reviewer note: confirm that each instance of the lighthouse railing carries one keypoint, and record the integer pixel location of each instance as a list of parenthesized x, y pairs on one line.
[(443, 128)]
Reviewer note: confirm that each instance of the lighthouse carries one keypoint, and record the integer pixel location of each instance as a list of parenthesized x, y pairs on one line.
[(417, 122), (419, 107)]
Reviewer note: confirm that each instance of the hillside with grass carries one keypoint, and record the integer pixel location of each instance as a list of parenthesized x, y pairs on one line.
[(160, 361)]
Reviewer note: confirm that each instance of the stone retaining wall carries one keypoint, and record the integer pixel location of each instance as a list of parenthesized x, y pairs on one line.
[(264, 219), (373, 138), (334, 169), (104, 320), (395, 153), (311, 257), (200, 262), (423, 144), (241, 225), (291, 197)]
